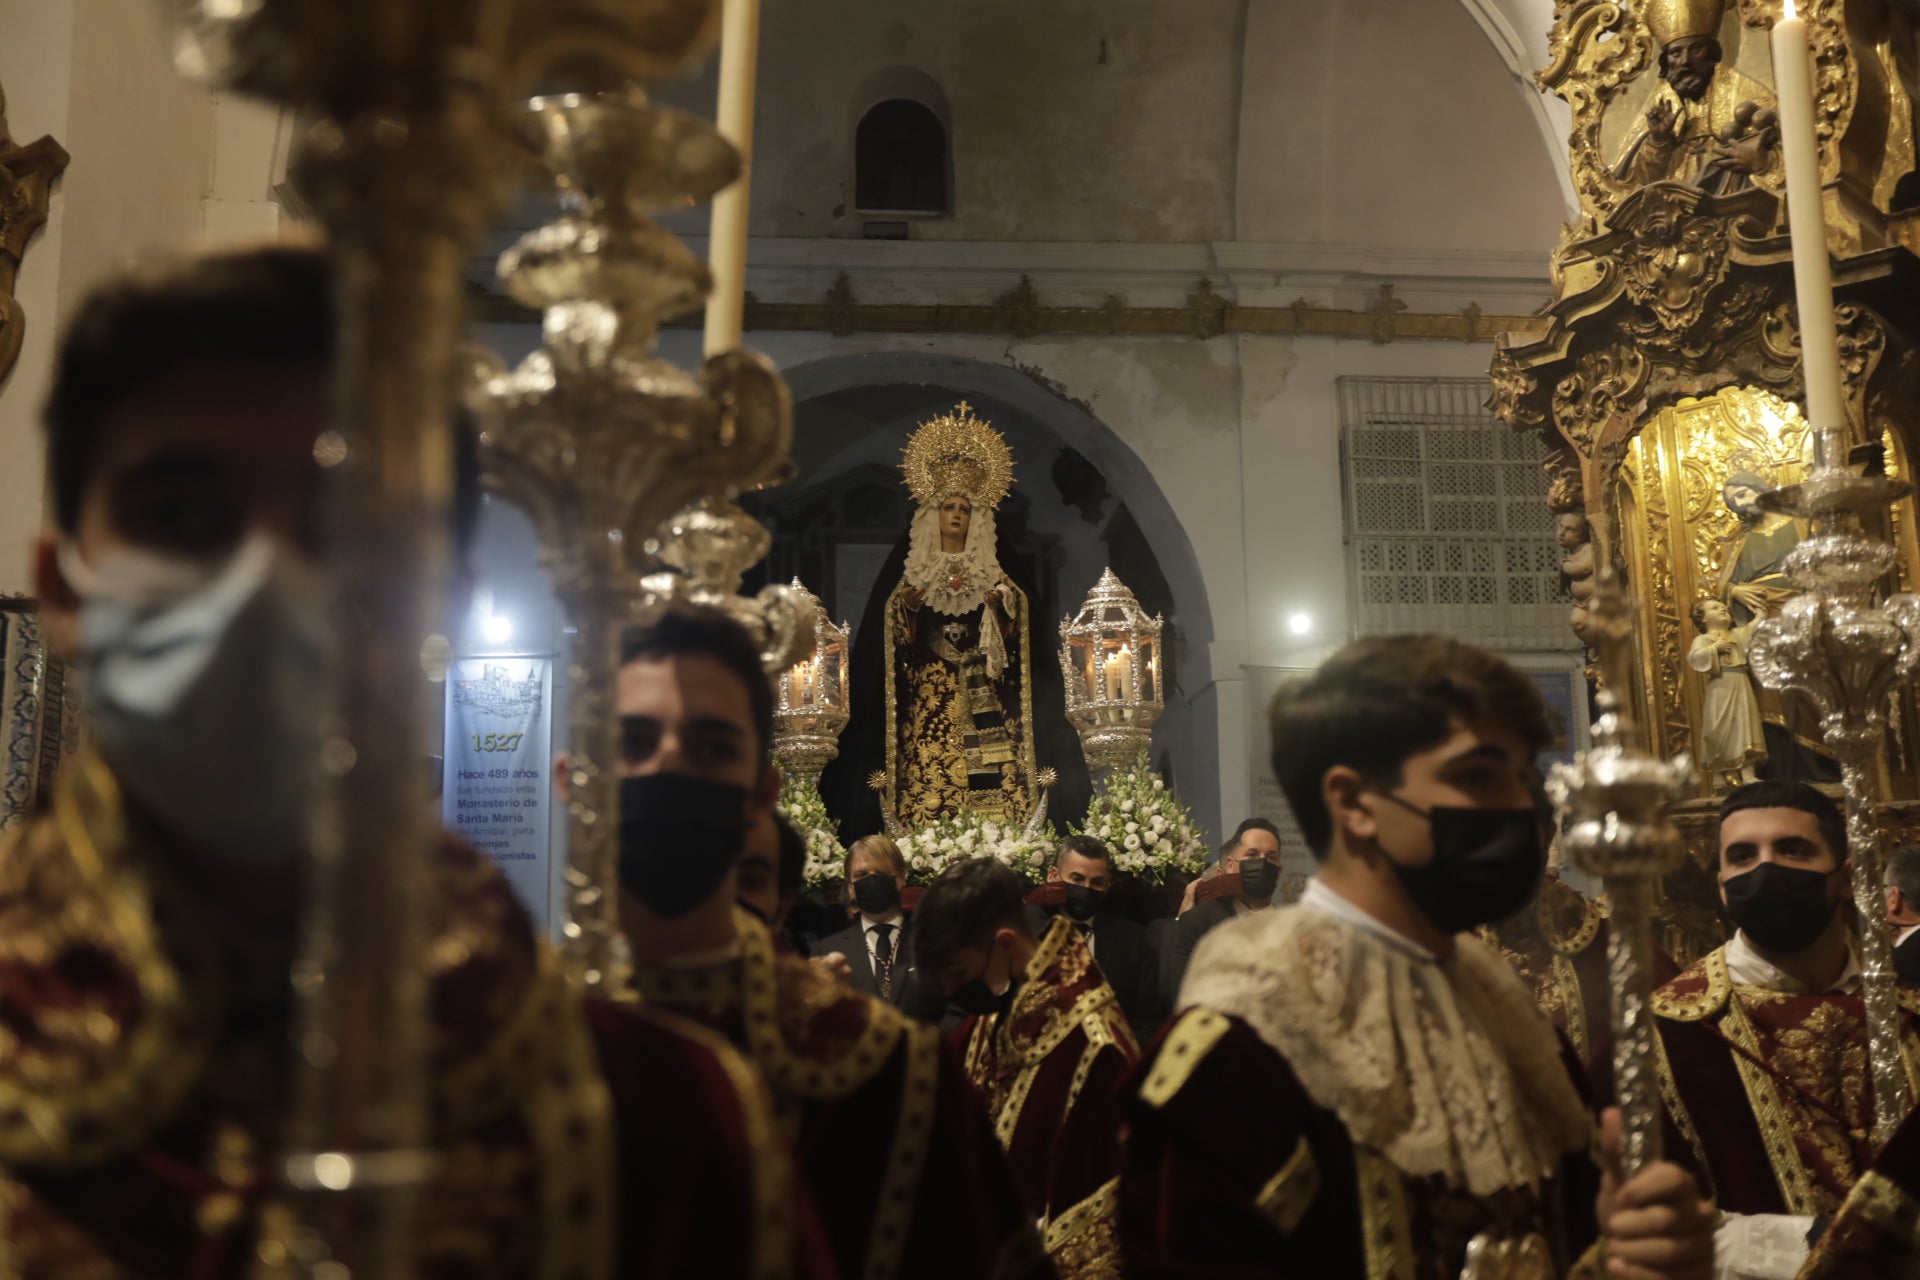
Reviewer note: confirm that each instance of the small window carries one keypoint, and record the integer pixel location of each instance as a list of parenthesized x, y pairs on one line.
[(900, 159)]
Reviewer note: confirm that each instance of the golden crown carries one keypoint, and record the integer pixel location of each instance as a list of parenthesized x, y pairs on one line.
[(1671, 20), (958, 453)]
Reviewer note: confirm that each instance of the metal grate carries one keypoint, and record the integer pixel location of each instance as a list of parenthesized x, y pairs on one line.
[(1447, 523)]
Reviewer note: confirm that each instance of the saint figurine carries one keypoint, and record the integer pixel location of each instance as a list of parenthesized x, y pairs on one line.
[(1708, 125), (959, 670)]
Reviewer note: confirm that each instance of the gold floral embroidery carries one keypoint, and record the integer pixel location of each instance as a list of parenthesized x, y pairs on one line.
[(1821, 1067), (1084, 1242), (1677, 1000)]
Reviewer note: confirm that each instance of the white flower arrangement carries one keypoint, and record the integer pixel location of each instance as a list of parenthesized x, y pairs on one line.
[(1147, 828), (803, 807), (933, 849)]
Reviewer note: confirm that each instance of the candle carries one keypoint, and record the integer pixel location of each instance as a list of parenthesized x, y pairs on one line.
[(1113, 677), (727, 241), (1126, 673), (1807, 217)]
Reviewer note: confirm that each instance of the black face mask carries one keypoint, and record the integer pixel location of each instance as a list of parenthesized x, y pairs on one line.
[(679, 836), (1259, 878), (1781, 908), (876, 895), (1083, 901), (1906, 960), (1486, 864)]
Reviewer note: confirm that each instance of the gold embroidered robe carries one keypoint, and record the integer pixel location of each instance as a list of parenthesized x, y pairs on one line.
[(958, 736), (1325, 1106), (1769, 1096), (1051, 1070), (893, 1148), (144, 1086)]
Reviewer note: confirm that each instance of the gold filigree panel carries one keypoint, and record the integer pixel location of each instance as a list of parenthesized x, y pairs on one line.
[(1680, 535)]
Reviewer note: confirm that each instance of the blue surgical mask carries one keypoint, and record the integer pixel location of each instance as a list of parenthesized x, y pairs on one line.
[(202, 689)]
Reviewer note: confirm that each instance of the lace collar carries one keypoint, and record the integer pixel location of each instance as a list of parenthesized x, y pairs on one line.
[(1446, 1068)]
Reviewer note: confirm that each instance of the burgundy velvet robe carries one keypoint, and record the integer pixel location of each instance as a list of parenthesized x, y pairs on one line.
[(1051, 1071), (893, 1145), (153, 1052)]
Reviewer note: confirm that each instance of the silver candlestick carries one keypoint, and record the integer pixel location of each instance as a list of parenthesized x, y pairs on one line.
[(1613, 824), (1844, 653)]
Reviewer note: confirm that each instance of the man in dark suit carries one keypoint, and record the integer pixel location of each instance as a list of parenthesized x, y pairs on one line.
[(1254, 855), (1084, 869), (877, 947)]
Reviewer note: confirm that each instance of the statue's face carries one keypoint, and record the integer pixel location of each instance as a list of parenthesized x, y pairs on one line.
[(1688, 65), (1570, 530), (1742, 499), (956, 517)]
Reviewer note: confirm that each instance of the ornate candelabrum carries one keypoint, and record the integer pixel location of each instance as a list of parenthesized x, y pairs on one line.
[(404, 163), (1613, 824), (1110, 658), (810, 700), (1844, 653), (622, 459)]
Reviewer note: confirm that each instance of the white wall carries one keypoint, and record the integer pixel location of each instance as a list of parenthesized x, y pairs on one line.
[(146, 147)]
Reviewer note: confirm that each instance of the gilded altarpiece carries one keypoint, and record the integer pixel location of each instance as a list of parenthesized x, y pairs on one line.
[(1668, 380)]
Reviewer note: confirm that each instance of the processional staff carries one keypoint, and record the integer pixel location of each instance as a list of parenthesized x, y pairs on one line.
[(1834, 644), (1613, 805), (406, 161)]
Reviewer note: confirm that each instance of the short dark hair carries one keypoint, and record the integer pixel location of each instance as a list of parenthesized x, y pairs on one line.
[(1903, 872), (261, 305), (1252, 824), (1781, 794), (964, 907), (1378, 701), (791, 875), (1085, 846), (685, 629)]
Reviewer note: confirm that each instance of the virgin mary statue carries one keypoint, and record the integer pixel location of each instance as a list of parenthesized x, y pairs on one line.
[(959, 678)]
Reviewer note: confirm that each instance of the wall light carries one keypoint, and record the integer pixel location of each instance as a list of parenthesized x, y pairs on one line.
[(1299, 623), (497, 628)]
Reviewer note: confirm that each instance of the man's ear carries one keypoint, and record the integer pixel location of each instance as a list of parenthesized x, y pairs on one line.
[(1340, 790), (563, 777), (59, 603), (1053, 874)]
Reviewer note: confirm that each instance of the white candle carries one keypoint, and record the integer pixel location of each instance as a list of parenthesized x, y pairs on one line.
[(727, 241), (1807, 216), (1126, 673), (1113, 677)]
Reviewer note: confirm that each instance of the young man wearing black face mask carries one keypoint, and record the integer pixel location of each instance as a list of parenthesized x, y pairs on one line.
[(1047, 1046), (1354, 1086), (878, 945), (1764, 1063), (892, 1145), (1082, 876), (148, 908)]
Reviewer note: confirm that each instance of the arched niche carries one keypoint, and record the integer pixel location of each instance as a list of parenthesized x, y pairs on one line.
[(1073, 471)]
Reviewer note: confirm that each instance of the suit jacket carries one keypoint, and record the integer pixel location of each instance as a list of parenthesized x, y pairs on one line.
[(915, 994), (1186, 935), (1127, 958)]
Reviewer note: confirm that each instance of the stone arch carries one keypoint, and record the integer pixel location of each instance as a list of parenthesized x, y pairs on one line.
[(1188, 736), (1076, 427)]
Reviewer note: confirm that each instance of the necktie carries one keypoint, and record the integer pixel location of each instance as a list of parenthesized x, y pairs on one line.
[(883, 958)]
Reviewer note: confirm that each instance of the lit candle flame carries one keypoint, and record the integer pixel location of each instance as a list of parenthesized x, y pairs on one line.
[(1786, 10)]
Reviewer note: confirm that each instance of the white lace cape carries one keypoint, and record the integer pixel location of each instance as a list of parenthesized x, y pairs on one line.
[(1446, 1068), (978, 568)]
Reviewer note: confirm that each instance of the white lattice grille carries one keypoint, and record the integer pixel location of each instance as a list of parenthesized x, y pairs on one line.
[(1447, 522)]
